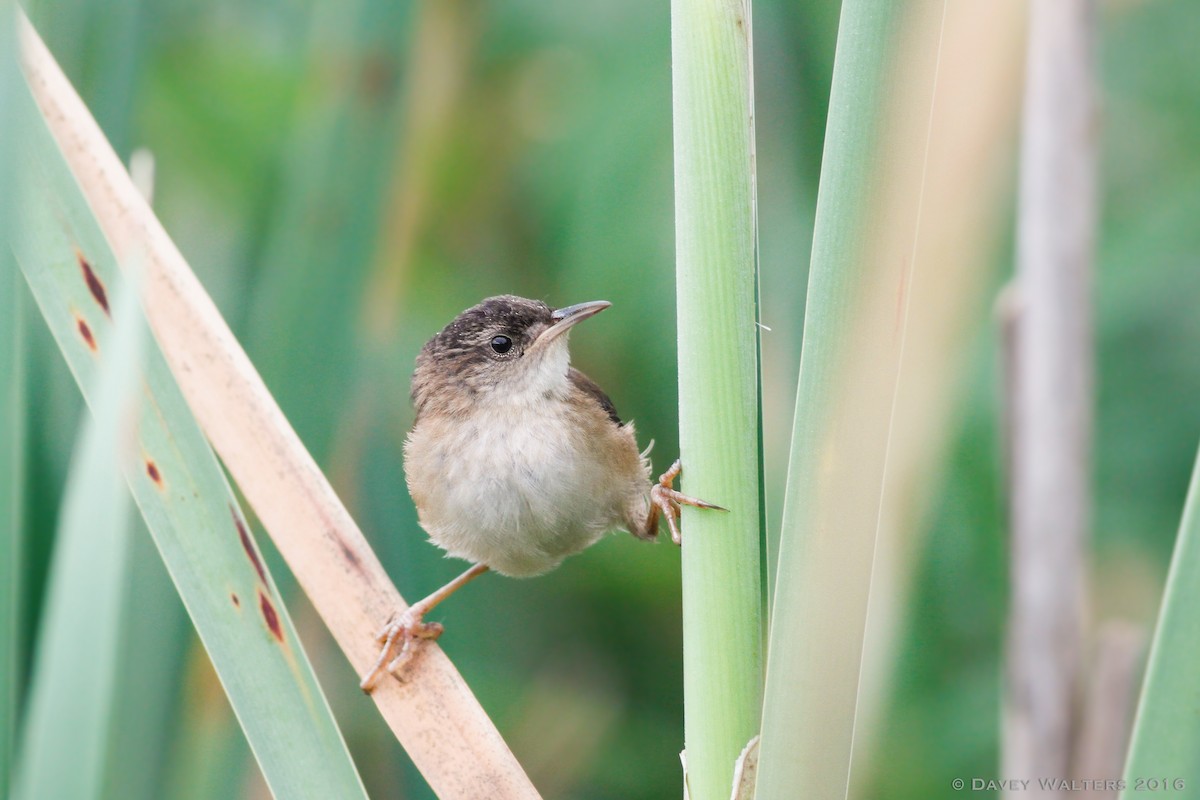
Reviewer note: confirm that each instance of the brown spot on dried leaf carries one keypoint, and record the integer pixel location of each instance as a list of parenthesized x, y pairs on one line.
[(348, 553), (95, 286)]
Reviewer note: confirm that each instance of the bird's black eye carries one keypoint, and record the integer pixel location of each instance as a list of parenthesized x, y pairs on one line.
[(501, 344)]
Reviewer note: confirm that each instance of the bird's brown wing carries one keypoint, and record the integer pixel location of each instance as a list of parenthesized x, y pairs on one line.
[(588, 386)]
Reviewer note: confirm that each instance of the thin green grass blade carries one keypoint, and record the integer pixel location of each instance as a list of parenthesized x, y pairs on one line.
[(155, 639), (71, 711), (182, 493), (1166, 733), (718, 386), (12, 410)]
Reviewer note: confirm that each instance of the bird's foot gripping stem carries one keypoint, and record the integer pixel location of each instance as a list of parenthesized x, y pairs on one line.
[(400, 637), (666, 500), (403, 634)]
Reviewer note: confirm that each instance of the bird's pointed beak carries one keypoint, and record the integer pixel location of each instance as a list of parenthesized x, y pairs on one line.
[(569, 317)]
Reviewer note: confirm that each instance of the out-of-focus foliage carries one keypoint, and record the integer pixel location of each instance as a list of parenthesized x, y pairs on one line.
[(528, 150), (12, 411)]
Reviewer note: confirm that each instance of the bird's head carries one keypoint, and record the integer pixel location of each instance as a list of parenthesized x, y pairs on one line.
[(504, 347)]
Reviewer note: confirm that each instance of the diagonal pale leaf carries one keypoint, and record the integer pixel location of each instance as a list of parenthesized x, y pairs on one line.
[(1166, 733), (182, 493), (88, 576)]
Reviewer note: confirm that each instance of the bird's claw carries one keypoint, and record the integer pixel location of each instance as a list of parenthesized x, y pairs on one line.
[(668, 500), (405, 630)]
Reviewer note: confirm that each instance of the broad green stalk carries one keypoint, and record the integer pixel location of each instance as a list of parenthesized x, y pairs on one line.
[(182, 493), (718, 385), (78, 642), (1166, 733), (12, 412)]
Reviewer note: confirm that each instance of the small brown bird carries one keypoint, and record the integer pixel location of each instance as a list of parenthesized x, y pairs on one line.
[(516, 459)]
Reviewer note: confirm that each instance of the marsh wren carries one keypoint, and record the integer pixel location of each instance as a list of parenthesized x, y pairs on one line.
[(516, 459)]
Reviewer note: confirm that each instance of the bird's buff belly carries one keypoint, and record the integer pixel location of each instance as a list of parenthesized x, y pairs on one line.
[(520, 507)]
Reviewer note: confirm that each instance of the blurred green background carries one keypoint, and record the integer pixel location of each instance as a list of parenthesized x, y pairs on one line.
[(346, 177)]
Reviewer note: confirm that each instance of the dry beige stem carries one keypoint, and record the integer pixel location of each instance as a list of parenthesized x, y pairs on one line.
[(1109, 702), (433, 714), (1051, 391)]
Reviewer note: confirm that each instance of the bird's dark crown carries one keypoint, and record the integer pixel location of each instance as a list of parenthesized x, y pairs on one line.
[(461, 360), (506, 314)]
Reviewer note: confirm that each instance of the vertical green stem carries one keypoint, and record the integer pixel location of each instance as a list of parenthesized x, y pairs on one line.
[(718, 386)]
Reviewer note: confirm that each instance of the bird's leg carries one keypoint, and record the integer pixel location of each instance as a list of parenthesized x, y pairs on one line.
[(408, 628), (665, 500)]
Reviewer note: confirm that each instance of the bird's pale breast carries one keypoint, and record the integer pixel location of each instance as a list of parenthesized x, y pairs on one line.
[(519, 486)]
